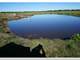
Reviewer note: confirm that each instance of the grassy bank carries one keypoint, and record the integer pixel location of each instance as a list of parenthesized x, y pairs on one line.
[(53, 48), (64, 12), (68, 12)]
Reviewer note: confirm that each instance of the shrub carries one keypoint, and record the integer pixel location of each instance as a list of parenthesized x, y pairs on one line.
[(76, 37)]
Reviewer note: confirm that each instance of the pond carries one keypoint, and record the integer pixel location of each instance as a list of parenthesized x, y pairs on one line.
[(46, 26)]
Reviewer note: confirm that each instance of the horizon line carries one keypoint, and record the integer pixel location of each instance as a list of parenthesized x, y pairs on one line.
[(39, 10)]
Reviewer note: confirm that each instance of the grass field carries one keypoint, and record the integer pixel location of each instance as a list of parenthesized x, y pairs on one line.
[(64, 12)]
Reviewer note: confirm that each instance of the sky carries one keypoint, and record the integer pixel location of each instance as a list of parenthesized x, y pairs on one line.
[(37, 6)]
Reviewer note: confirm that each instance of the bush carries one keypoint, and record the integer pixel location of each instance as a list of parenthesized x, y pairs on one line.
[(76, 37)]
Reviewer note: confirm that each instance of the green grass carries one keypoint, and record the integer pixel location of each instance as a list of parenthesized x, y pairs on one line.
[(1, 29), (76, 37), (64, 12)]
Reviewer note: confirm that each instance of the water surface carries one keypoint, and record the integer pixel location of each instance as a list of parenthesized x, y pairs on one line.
[(46, 26)]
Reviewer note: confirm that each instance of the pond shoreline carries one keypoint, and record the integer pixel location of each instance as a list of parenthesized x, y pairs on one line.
[(6, 16), (52, 47)]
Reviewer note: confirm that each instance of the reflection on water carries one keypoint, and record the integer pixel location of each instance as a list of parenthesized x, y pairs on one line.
[(46, 26)]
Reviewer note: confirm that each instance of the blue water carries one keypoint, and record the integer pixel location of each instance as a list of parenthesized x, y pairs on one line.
[(46, 26)]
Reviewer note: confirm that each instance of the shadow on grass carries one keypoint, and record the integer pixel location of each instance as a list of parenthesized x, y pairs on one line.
[(14, 50)]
